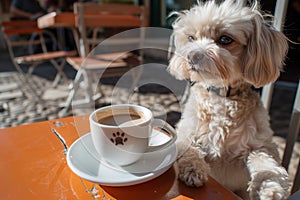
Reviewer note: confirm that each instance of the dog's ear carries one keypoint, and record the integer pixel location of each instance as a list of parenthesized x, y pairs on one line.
[(176, 67), (176, 61), (265, 53)]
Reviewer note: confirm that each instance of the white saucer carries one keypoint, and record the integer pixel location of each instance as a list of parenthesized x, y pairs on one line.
[(84, 161)]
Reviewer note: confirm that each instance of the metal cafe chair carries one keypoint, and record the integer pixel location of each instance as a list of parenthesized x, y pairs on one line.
[(23, 36), (91, 19), (293, 132)]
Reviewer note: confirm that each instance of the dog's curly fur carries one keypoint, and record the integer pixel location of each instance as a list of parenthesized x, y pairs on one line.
[(224, 132)]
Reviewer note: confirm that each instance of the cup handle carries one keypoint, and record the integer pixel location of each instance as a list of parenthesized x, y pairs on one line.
[(166, 128)]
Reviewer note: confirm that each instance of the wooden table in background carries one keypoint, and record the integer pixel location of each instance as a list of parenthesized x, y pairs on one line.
[(33, 166), (54, 19)]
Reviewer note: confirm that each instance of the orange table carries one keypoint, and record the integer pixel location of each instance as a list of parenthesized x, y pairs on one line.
[(33, 166)]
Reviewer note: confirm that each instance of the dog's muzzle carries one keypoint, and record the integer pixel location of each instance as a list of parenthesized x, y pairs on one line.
[(195, 58)]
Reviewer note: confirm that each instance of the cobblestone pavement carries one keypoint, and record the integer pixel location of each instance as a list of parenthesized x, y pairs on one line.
[(16, 108)]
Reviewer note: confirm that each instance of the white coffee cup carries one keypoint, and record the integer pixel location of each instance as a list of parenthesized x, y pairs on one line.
[(121, 133)]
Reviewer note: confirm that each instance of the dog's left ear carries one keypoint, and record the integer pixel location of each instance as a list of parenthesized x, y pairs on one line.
[(264, 54)]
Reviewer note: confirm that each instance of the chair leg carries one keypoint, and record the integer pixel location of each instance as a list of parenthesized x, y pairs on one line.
[(81, 77), (294, 127), (296, 184), (23, 78), (27, 83), (292, 137), (31, 68), (76, 84), (88, 85), (60, 73)]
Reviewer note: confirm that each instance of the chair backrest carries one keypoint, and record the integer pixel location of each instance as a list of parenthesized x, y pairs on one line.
[(91, 17), (22, 34), (20, 27)]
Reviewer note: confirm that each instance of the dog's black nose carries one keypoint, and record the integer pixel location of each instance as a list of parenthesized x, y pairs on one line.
[(195, 57)]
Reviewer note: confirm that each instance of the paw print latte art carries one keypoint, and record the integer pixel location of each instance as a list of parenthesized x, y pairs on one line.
[(118, 138)]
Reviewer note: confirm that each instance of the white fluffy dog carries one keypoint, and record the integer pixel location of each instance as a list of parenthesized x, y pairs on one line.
[(224, 132)]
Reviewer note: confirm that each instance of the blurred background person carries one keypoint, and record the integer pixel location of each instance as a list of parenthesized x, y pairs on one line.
[(59, 5), (26, 9)]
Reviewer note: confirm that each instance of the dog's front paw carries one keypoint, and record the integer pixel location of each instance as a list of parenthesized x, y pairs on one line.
[(269, 186), (270, 190), (193, 173)]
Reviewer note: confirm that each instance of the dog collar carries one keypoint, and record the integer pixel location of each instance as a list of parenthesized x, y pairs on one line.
[(224, 91), (220, 91)]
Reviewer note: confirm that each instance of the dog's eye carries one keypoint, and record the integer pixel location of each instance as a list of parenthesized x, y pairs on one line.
[(225, 40), (191, 38)]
